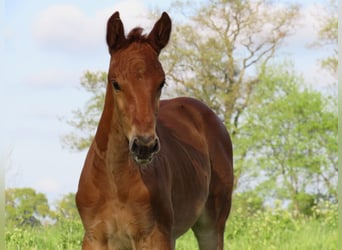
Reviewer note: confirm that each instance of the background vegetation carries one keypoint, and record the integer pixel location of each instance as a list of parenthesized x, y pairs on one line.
[(284, 131)]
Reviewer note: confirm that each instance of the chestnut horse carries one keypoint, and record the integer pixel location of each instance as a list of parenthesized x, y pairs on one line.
[(155, 168)]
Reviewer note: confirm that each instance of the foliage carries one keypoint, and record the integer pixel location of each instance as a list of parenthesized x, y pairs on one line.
[(249, 202), (295, 158), (66, 208), (276, 228), (60, 236), (25, 207)]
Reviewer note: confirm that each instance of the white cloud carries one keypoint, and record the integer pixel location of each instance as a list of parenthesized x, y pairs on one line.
[(65, 28)]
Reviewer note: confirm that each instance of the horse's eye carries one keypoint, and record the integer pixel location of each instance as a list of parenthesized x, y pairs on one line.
[(161, 85), (116, 85)]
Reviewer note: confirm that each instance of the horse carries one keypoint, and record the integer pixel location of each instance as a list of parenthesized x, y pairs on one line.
[(155, 168)]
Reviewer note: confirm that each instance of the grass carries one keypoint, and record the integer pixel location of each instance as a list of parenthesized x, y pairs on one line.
[(303, 233), (271, 229)]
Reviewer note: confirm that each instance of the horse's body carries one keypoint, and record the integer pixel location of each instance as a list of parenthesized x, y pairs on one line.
[(155, 169)]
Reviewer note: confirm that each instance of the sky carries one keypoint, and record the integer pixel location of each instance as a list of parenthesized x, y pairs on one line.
[(46, 46)]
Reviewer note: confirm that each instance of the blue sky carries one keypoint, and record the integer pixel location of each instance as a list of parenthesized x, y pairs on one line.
[(46, 47)]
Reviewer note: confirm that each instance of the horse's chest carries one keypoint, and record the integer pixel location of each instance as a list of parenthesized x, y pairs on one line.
[(120, 225)]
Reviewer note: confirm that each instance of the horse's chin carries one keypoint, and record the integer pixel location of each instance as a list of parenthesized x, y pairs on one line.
[(143, 161)]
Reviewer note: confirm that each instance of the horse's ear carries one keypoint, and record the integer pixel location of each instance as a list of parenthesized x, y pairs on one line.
[(160, 34), (115, 32)]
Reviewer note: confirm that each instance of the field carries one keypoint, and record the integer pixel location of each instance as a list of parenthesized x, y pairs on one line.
[(268, 229)]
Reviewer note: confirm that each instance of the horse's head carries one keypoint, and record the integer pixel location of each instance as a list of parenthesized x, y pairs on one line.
[(137, 78)]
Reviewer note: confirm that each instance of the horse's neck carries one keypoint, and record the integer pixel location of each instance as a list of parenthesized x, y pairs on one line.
[(110, 140)]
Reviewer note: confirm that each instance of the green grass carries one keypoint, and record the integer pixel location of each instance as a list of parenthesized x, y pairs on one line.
[(270, 232), (272, 229), (63, 236)]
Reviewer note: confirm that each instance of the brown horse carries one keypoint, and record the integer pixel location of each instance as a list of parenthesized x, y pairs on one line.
[(155, 168)]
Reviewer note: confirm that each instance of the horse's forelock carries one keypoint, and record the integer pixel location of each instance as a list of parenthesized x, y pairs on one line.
[(136, 35)]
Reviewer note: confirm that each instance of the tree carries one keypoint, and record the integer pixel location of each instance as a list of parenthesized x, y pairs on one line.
[(294, 151), (25, 207), (85, 120), (66, 208), (328, 36), (214, 55)]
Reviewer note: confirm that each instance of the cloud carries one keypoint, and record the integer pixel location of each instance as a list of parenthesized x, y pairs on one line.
[(65, 28)]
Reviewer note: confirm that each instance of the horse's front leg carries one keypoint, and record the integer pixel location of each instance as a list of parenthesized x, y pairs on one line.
[(156, 240), (92, 244)]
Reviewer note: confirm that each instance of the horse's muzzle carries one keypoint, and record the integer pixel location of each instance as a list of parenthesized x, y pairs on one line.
[(143, 148)]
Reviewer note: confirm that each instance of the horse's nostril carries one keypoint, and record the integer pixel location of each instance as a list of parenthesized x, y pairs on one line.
[(134, 146), (156, 145), (143, 147)]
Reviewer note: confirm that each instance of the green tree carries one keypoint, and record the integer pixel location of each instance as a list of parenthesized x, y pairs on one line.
[(66, 208), (68, 222), (25, 207), (293, 129)]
